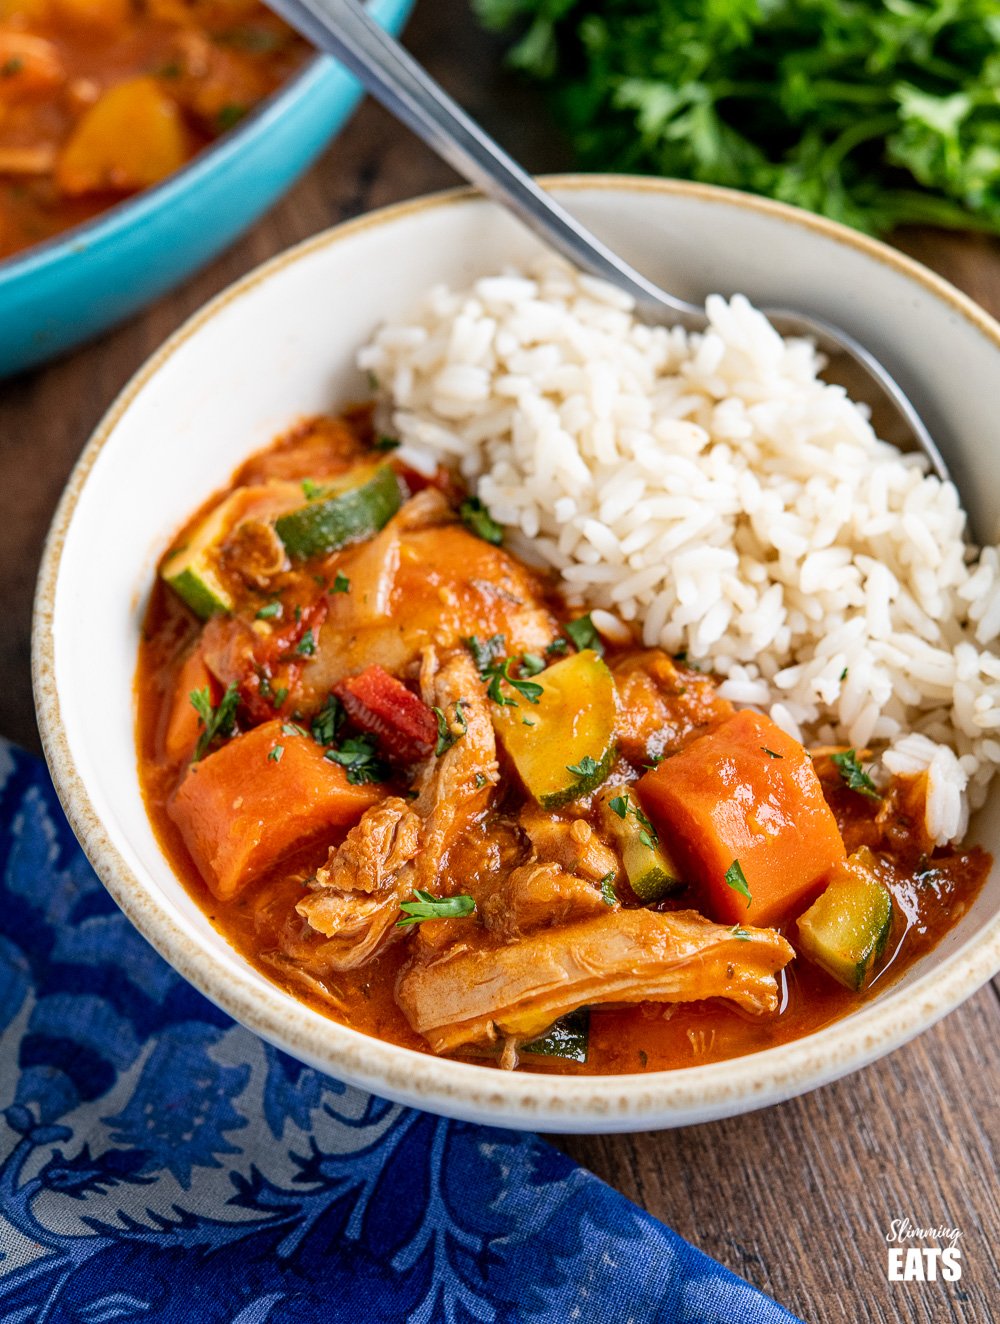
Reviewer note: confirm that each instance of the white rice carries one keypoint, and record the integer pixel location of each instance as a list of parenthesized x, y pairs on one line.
[(712, 489)]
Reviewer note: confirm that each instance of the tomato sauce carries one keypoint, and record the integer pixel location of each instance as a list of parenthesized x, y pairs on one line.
[(931, 889)]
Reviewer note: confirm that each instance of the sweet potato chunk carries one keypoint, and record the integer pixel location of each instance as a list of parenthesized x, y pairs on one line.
[(243, 808), (132, 137), (180, 735), (745, 792)]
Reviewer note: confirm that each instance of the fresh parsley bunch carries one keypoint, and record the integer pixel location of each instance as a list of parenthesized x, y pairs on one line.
[(875, 112)]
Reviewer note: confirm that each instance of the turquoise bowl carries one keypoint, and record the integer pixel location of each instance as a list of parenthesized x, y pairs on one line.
[(81, 282)]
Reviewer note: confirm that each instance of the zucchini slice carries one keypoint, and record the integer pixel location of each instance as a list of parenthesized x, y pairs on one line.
[(563, 745), (651, 872), (569, 1037), (346, 509), (192, 571), (846, 928)]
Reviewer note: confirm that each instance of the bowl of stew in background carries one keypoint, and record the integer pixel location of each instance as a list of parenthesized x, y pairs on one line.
[(267, 352), (215, 110)]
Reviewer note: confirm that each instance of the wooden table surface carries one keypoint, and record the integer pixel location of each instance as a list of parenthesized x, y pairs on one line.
[(797, 1198)]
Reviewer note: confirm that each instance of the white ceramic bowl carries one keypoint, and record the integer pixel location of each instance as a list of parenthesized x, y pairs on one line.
[(281, 343)]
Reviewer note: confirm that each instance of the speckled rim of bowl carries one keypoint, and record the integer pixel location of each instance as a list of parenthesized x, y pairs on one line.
[(568, 1103)]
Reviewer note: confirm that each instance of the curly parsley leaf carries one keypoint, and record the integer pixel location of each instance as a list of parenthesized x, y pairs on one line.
[(853, 774), (217, 722), (449, 732), (483, 653), (424, 906), (736, 879), (358, 756), (500, 671), (584, 634), (876, 114), (325, 725)]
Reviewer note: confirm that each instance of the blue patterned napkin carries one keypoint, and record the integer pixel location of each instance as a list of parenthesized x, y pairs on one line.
[(160, 1163)]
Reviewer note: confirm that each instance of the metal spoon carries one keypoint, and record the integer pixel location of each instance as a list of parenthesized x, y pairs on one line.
[(345, 30)]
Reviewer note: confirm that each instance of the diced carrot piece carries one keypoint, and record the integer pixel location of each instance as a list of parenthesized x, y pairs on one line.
[(243, 808), (404, 726), (132, 137), (183, 723), (745, 792)]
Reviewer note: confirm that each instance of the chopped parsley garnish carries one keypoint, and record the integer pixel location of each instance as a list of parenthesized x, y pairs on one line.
[(446, 735), (498, 671), (494, 667), (557, 646), (485, 653), (608, 889), (358, 757), (270, 611), (291, 729), (229, 115), (215, 722), (424, 907), (843, 674), (736, 879), (853, 774), (275, 754), (620, 805), (311, 490), (740, 933), (585, 768), (478, 520), (532, 664), (385, 444), (306, 645), (526, 721), (480, 781), (341, 584), (280, 695), (326, 724), (770, 753), (584, 634)]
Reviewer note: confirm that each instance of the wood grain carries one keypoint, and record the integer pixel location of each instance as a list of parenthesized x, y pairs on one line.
[(797, 1198)]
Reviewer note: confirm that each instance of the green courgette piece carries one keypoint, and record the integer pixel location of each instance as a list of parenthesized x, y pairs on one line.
[(192, 571), (651, 872), (562, 745), (569, 1037), (343, 510), (846, 928)]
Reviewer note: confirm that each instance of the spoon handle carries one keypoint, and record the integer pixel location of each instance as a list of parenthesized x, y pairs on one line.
[(344, 29)]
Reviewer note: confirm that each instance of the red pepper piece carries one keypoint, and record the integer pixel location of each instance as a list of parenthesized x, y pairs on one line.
[(405, 728)]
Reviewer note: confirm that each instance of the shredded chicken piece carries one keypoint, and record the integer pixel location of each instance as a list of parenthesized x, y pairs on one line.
[(355, 896), (662, 705), (540, 894), (455, 786), (571, 843), (424, 582), (397, 848), (482, 991)]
